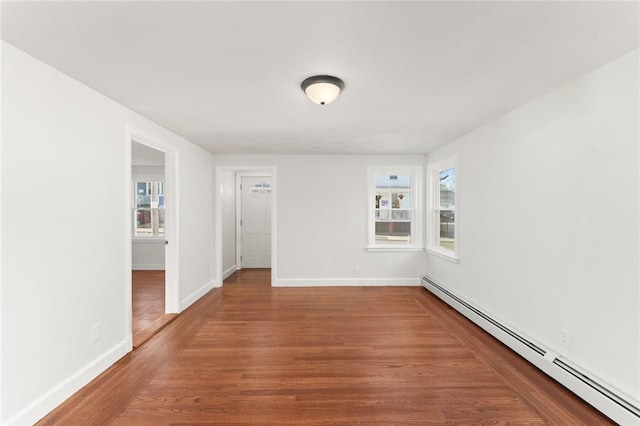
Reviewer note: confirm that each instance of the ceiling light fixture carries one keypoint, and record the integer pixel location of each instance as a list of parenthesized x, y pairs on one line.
[(322, 89)]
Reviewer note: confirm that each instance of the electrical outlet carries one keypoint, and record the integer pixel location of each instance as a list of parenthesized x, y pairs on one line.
[(96, 332), (565, 337), (356, 270)]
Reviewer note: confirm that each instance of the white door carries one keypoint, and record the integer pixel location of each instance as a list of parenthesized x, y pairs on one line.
[(256, 222)]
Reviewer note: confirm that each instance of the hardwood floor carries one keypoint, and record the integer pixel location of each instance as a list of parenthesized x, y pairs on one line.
[(148, 305), (251, 354)]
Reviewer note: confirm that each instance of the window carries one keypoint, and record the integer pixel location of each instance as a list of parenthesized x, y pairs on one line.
[(394, 223), (149, 209), (441, 232)]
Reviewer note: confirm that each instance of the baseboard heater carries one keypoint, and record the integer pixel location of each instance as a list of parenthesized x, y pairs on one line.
[(610, 402)]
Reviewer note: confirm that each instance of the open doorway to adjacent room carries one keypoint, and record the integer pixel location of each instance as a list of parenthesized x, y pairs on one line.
[(148, 243)]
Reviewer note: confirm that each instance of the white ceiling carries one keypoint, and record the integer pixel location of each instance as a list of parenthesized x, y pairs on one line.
[(226, 75)]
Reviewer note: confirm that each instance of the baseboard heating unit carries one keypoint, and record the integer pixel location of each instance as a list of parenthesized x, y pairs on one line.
[(619, 407)]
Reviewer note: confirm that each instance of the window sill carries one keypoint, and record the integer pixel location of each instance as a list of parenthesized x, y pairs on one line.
[(147, 239), (392, 248), (446, 256)]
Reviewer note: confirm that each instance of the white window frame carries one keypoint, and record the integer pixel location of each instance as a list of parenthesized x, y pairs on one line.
[(416, 218), (433, 209)]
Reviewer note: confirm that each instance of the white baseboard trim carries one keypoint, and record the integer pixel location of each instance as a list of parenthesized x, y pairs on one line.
[(226, 274), (148, 267), (621, 408), (63, 390), (344, 282), (190, 299)]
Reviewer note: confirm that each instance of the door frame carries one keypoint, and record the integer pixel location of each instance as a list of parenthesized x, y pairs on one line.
[(259, 171), (239, 176), (171, 178)]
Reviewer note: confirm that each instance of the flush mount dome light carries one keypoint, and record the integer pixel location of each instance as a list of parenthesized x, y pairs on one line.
[(322, 89)]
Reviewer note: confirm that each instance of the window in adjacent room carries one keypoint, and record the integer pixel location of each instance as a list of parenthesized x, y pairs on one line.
[(441, 215), (393, 202), (148, 209)]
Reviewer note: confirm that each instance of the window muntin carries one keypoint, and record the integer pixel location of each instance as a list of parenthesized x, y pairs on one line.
[(442, 232), (149, 209), (393, 222)]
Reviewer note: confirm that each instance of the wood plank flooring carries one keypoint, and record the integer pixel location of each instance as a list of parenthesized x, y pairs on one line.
[(251, 354), (148, 305)]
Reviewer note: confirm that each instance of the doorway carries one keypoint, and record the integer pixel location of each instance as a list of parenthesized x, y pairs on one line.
[(255, 222), (229, 242), (153, 295)]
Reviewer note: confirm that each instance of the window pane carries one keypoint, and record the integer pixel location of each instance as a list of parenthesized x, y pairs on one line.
[(149, 222), (447, 189), (393, 181), (401, 215), (160, 221), (393, 232), (143, 223), (447, 229), (143, 199)]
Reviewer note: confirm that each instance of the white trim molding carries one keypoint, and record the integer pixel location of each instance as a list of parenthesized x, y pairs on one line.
[(239, 176), (434, 208), (441, 255), (172, 218), (147, 267), (67, 387), (193, 297), (227, 272), (218, 243), (391, 248), (345, 282), (416, 207)]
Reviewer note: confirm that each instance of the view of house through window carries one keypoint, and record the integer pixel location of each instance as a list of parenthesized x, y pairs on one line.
[(393, 209), (441, 216), (149, 209)]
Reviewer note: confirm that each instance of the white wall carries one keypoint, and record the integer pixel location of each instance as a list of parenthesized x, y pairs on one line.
[(321, 222), (66, 246), (196, 225), (548, 211), (147, 253), (228, 200)]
